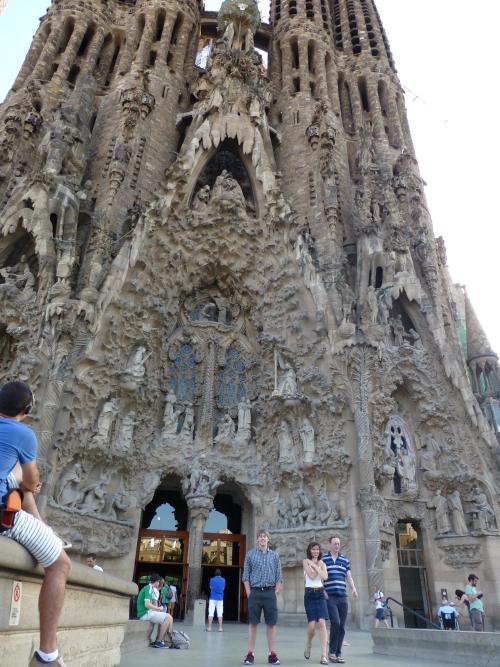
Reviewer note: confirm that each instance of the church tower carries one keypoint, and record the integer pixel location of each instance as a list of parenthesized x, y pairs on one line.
[(220, 275)]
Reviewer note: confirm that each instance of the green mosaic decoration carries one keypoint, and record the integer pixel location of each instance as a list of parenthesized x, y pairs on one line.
[(244, 13)]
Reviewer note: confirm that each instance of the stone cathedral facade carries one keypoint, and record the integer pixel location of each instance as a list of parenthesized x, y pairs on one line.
[(219, 273)]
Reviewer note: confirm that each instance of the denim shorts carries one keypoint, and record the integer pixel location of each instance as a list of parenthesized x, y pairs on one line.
[(315, 604)]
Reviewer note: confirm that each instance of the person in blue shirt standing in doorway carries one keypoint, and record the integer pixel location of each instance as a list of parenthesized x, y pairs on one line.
[(216, 600)]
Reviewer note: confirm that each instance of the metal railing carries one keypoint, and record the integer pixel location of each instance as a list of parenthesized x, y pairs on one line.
[(427, 621)]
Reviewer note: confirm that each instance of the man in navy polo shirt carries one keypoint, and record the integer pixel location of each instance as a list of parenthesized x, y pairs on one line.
[(339, 575)]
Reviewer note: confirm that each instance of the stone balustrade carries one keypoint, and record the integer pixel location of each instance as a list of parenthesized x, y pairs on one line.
[(94, 618)]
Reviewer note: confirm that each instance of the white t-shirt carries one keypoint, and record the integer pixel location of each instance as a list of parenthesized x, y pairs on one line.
[(98, 568), (379, 600), (174, 593)]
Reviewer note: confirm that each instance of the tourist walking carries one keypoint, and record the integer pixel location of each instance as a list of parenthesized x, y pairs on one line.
[(262, 580), (379, 600), (216, 600), (18, 444), (476, 607), (314, 600), (339, 575)]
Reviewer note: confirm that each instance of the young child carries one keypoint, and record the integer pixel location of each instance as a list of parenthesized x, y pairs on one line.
[(379, 600)]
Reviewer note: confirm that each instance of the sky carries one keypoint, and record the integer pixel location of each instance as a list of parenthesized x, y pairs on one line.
[(446, 55)]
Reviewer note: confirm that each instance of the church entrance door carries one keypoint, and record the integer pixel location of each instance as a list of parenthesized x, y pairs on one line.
[(226, 552), (165, 553), (412, 573)]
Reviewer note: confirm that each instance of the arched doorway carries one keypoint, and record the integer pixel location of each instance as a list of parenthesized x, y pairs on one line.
[(412, 572), (163, 542), (224, 548)]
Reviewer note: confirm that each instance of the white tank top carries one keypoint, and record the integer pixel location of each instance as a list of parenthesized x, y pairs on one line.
[(312, 583)]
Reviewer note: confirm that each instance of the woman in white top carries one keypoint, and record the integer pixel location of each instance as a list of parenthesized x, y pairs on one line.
[(314, 600)]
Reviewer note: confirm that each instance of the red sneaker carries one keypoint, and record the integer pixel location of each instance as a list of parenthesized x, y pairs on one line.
[(273, 659), (249, 658)]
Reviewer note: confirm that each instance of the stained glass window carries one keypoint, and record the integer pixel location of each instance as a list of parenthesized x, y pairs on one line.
[(232, 380), (184, 374)]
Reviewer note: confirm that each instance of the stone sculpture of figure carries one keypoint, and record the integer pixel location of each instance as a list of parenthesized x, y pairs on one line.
[(366, 156), (372, 303), (347, 297), (135, 366), (116, 505), (69, 493), (226, 430), (414, 339), (228, 195), (19, 275), (105, 422), (483, 510), (201, 199), (430, 449), (244, 419), (457, 514), (307, 511), (286, 453), (399, 331), (307, 437), (406, 467), (325, 512), (440, 504), (126, 432), (95, 495), (283, 514), (287, 387), (383, 308), (188, 424), (170, 415)]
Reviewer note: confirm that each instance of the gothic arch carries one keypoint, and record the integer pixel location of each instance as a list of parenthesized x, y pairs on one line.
[(213, 162)]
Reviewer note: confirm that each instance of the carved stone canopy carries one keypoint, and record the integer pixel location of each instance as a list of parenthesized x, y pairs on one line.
[(242, 13)]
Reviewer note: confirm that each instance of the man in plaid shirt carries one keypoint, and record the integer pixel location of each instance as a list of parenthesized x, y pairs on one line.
[(262, 579)]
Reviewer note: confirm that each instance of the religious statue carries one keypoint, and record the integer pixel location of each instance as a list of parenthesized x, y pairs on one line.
[(170, 415), (286, 449), (457, 514), (226, 430), (19, 275), (440, 504), (482, 511), (287, 387), (307, 437), (95, 495), (188, 424), (372, 303), (135, 366), (244, 420), (227, 194), (126, 432), (201, 199), (105, 422), (69, 493)]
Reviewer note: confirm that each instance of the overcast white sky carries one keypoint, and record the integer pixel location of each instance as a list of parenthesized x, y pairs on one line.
[(446, 54)]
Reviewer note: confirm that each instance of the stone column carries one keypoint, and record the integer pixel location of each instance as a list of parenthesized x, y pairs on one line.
[(69, 56), (46, 59), (165, 39), (198, 510), (94, 50), (375, 109), (369, 500)]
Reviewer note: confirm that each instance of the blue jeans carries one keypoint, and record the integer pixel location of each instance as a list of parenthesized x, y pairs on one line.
[(337, 610)]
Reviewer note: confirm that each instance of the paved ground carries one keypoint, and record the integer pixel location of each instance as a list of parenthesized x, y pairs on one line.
[(225, 649)]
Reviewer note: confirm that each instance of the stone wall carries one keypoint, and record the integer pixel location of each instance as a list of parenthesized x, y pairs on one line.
[(94, 618)]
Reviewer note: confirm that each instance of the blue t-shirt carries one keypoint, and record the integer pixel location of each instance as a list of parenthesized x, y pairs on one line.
[(17, 443), (217, 586)]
